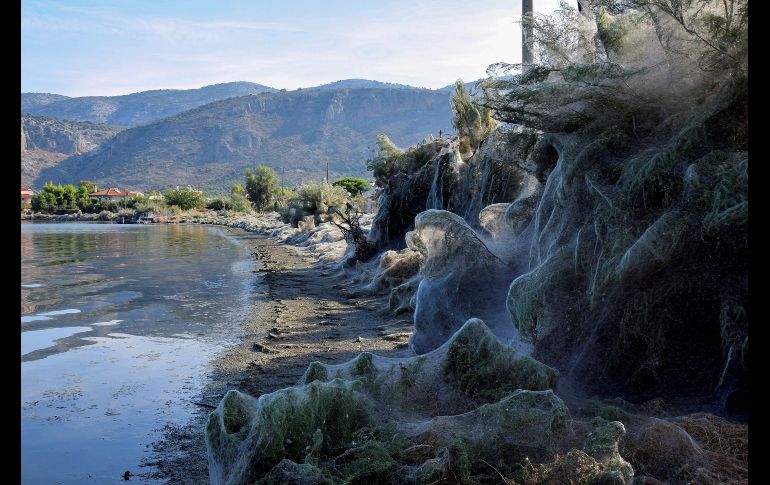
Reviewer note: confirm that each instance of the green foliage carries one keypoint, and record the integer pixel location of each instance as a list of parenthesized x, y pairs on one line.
[(44, 202), (483, 367), (135, 200), (386, 160), (88, 186), (354, 186), (238, 189), (318, 198), (291, 419), (316, 372), (473, 122), (218, 204), (61, 197), (261, 187), (185, 198), (235, 202)]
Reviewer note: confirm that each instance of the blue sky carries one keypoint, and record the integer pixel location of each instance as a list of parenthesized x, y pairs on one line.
[(109, 47)]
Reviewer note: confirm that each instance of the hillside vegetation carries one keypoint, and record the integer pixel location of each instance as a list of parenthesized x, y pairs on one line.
[(298, 131)]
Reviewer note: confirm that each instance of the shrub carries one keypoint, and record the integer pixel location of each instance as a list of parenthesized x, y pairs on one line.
[(233, 203), (145, 210), (135, 200), (261, 187), (185, 198), (218, 204), (239, 203), (312, 199), (318, 198)]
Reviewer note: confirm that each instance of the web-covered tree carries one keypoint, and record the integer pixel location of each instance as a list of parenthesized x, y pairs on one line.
[(472, 121)]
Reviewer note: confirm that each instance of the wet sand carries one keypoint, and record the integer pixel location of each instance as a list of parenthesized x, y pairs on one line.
[(307, 314)]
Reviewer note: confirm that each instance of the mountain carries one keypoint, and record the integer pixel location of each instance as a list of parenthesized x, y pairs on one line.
[(46, 141), (299, 131), (133, 109), (33, 101), (361, 83)]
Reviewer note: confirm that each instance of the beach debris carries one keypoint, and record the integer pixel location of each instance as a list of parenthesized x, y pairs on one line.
[(258, 347)]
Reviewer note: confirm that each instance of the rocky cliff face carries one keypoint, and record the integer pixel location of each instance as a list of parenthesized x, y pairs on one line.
[(46, 141)]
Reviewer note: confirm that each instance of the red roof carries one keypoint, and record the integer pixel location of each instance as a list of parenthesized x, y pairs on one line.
[(111, 191), (26, 196)]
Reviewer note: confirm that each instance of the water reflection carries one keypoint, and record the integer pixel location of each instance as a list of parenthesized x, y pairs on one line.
[(118, 323)]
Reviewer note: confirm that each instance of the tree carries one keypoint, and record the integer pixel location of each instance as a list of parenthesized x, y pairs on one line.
[(353, 185), (386, 160), (83, 198), (185, 198), (44, 202), (473, 122), (261, 186), (69, 197), (88, 186)]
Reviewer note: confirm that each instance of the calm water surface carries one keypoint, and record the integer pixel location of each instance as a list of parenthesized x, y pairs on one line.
[(118, 324)]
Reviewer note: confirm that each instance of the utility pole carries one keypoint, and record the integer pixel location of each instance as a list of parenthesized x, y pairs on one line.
[(327, 172), (526, 31), (283, 172)]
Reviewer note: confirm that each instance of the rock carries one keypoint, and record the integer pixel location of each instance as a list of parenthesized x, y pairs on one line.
[(258, 347)]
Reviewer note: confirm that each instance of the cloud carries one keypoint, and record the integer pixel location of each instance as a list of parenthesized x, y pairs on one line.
[(77, 50)]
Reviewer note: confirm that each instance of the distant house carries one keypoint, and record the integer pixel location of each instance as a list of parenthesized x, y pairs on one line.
[(113, 194), (26, 196)]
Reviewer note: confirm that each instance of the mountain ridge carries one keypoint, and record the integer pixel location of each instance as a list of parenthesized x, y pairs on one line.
[(135, 108), (299, 131)]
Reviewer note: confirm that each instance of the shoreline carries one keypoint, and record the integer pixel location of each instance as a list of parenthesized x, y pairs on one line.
[(304, 314)]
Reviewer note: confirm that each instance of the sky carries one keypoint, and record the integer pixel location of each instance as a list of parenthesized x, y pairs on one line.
[(111, 47)]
